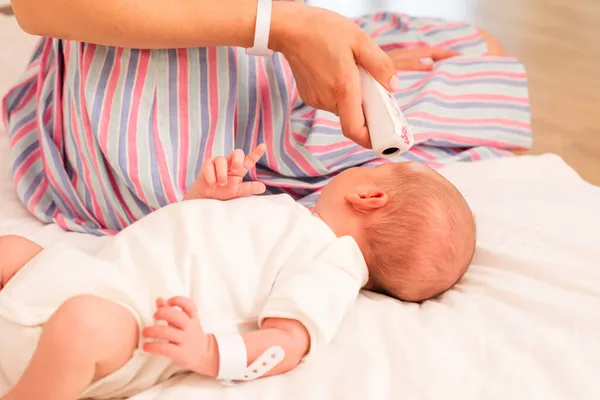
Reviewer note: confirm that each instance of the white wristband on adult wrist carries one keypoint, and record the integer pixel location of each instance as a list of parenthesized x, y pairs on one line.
[(262, 29)]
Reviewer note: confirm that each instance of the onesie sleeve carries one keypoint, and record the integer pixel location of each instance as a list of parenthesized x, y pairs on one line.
[(318, 292)]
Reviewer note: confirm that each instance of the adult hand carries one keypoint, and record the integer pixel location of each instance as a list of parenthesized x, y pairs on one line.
[(324, 50), (411, 59)]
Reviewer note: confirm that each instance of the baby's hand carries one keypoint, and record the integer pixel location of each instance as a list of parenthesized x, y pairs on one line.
[(183, 340), (221, 178)]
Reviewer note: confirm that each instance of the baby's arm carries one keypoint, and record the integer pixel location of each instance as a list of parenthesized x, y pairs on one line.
[(15, 252), (185, 342)]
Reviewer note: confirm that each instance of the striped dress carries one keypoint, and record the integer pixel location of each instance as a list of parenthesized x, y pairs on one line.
[(101, 136)]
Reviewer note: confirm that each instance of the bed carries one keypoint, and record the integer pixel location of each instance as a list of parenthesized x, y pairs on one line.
[(524, 323)]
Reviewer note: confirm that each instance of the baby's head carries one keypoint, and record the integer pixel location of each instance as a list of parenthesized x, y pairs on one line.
[(415, 229)]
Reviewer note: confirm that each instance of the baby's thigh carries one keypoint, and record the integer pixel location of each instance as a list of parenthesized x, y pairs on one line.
[(104, 330)]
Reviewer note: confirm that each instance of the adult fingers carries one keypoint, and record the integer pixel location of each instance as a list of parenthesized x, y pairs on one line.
[(377, 63), (412, 65), (186, 304), (435, 54), (349, 108), (442, 54), (167, 333)]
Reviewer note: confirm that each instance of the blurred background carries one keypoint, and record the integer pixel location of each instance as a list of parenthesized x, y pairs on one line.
[(558, 41)]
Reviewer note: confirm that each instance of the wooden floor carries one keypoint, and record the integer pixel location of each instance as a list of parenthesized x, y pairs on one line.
[(558, 41)]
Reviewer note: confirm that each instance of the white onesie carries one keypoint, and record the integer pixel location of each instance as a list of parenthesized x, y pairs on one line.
[(241, 261)]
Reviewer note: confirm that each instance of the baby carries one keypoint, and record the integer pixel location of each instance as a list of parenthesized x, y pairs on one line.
[(232, 289)]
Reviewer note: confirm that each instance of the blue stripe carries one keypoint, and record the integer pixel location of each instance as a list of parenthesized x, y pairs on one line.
[(155, 173), (454, 128)]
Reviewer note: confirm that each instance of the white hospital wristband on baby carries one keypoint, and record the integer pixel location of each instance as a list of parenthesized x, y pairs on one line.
[(233, 358), (262, 29)]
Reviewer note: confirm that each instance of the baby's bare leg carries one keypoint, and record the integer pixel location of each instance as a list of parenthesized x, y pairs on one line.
[(15, 252), (87, 338)]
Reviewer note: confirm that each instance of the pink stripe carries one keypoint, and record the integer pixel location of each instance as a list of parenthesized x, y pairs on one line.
[(213, 95), (351, 153), (88, 136), (26, 164), (377, 32), (39, 191), (184, 139), (299, 138), (163, 168), (466, 38), (24, 102), (422, 153), (132, 150), (324, 148), (57, 127), (467, 121), (405, 45), (471, 97), (309, 114), (290, 148), (432, 27), (465, 140), (21, 133), (267, 114), (322, 121), (87, 176), (126, 209), (482, 59), (475, 156), (109, 95)]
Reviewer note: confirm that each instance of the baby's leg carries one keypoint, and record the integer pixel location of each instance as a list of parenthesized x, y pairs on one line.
[(87, 338)]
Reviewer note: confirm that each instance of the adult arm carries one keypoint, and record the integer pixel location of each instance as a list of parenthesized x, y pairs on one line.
[(322, 47)]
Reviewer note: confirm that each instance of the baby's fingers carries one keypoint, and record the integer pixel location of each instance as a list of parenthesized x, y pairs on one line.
[(221, 169), (251, 189), (160, 302), (186, 305), (166, 333), (209, 173), (173, 316), (255, 155), (168, 350), (236, 163)]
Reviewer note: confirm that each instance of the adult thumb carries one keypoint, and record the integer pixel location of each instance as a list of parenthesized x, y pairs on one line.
[(379, 64)]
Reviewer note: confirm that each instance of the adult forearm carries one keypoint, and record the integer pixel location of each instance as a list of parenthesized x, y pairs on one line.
[(147, 23)]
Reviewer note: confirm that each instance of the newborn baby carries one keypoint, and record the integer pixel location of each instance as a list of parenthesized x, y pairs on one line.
[(232, 289)]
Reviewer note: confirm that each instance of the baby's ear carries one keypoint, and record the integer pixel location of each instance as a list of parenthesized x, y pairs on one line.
[(367, 199)]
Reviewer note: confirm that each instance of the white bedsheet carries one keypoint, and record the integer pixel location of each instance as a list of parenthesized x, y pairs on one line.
[(523, 324)]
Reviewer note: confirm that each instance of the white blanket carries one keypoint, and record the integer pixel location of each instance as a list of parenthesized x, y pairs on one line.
[(523, 324)]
